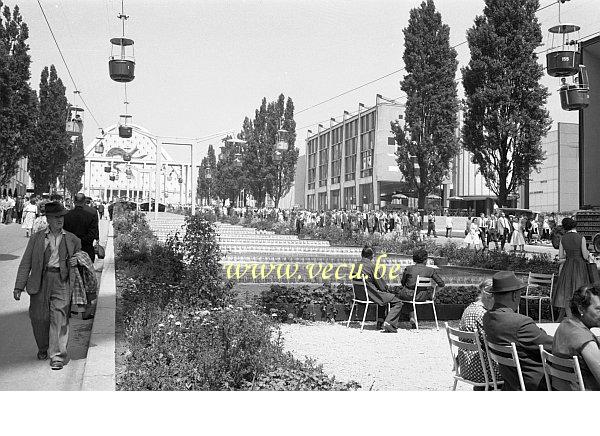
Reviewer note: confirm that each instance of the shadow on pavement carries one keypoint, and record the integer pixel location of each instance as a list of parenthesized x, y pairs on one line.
[(5, 257), (17, 345)]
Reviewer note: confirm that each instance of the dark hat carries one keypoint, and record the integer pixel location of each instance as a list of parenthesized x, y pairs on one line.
[(54, 208), (505, 281)]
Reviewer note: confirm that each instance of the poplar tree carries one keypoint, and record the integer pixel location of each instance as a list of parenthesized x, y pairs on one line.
[(51, 147), (75, 168), (505, 115), (18, 102), (428, 136)]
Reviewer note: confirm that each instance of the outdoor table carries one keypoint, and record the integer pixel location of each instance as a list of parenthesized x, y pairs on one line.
[(550, 328)]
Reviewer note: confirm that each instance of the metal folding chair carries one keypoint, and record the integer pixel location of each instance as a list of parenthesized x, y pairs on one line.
[(503, 355), (539, 282), (468, 342), (558, 368), (423, 282), (361, 296)]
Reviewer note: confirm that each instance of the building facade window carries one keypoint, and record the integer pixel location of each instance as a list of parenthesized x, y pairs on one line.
[(350, 150), (367, 144), (335, 199), (322, 199), (349, 197), (365, 194), (336, 155), (323, 158), (310, 201), (312, 162)]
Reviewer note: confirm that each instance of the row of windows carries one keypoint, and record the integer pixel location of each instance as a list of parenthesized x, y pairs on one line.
[(349, 198)]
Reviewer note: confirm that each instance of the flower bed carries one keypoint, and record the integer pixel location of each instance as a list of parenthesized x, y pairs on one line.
[(181, 330)]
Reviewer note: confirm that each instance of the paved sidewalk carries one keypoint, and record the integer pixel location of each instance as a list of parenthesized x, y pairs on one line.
[(19, 368)]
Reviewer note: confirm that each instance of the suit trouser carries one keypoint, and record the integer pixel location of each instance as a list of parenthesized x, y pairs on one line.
[(49, 312)]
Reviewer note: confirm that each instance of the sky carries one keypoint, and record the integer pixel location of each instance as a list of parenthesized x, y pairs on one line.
[(202, 66)]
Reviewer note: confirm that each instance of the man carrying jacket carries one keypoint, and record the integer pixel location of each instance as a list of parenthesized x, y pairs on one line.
[(44, 273)]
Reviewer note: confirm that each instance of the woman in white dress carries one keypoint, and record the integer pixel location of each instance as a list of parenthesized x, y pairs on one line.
[(517, 237), (29, 213), (473, 236)]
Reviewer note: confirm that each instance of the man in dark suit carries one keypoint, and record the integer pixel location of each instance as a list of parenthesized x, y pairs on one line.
[(377, 289), (502, 325), (409, 280), (83, 223)]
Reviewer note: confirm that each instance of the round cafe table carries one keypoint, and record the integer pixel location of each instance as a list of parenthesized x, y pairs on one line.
[(550, 328)]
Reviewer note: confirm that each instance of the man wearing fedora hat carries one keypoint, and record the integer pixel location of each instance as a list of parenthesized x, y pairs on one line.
[(503, 325), (44, 273)]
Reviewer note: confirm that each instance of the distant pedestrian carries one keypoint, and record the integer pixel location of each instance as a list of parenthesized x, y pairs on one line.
[(100, 210), (44, 272), (448, 225), (29, 215), (431, 224), (83, 223), (19, 205)]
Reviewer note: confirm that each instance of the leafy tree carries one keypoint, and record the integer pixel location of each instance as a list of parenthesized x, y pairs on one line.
[(75, 168), (505, 115), (228, 178), (256, 152), (18, 102), (279, 182), (206, 185), (432, 104), (51, 147)]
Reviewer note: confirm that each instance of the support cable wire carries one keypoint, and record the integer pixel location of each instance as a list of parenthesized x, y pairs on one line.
[(66, 65)]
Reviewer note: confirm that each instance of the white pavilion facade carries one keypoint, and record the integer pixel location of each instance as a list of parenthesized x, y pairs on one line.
[(126, 168)]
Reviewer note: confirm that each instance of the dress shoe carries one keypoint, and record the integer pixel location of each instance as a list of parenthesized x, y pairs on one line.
[(388, 328), (42, 355), (56, 365)]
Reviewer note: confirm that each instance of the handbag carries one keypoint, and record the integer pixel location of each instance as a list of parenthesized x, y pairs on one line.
[(99, 250)]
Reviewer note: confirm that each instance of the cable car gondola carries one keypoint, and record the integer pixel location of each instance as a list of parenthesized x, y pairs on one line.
[(563, 59), (99, 147), (575, 96), (107, 168), (125, 131), (121, 66), (74, 123)]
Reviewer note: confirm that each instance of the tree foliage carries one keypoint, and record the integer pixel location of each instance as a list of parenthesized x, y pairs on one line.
[(431, 105), (205, 185), (229, 179), (505, 115), (51, 147), (279, 182), (18, 102), (75, 168)]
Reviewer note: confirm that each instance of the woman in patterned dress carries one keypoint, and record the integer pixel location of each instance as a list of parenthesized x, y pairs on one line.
[(469, 363), (573, 256)]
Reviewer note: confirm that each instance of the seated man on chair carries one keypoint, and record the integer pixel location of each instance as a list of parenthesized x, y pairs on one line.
[(377, 289), (409, 280), (503, 325)]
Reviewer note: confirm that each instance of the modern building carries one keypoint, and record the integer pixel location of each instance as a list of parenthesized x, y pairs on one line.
[(108, 175), (19, 183), (555, 188), (300, 182), (589, 128), (352, 163)]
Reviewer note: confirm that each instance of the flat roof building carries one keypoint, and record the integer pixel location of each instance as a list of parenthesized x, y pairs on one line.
[(352, 162)]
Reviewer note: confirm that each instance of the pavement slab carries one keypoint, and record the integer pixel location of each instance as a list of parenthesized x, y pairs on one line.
[(19, 368)]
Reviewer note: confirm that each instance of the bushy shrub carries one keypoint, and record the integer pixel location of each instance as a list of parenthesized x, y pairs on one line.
[(133, 238), (230, 348)]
